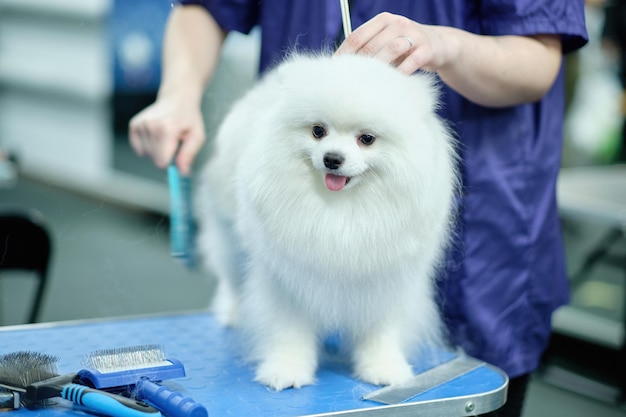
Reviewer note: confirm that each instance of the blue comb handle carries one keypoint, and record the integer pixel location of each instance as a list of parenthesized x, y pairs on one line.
[(106, 403), (182, 227), (171, 403)]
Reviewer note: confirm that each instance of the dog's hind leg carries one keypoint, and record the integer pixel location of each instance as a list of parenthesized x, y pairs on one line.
[(225, 304), (224, 260)]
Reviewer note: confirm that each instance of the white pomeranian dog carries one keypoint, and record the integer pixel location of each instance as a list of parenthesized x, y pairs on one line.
[(325, 208)]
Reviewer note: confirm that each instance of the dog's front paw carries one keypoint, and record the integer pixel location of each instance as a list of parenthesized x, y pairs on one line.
[(379, 361), (285, 373), (383, 371)]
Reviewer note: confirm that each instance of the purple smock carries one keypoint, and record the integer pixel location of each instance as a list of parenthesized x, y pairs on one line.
[(507, 272)]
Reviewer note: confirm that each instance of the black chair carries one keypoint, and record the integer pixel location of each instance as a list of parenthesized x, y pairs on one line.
[(25, 244)]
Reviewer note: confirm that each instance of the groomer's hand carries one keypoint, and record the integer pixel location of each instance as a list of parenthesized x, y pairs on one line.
[(492, 71), (401, 41), (161, 128)]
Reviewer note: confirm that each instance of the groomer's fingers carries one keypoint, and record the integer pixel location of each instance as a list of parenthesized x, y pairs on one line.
[(396, 48), (164, 139), (362, 39), (157, 131), (418, 59), (191, 144), (393, 39), (135, 136)]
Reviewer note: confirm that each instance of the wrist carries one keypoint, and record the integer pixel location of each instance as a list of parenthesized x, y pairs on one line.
[(451, 44), (181, 92)]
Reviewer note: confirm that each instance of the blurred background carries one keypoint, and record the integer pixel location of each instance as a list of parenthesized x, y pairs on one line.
[(72, 74)]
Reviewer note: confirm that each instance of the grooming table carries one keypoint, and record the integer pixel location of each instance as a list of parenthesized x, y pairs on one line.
[(217, 378)]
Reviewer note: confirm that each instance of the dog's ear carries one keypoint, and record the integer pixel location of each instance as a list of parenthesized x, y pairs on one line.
[(295, 68), (427, 87), (281, 74), (285, 69)]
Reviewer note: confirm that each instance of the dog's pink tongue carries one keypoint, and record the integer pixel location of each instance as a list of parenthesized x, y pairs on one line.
[(335, 182)]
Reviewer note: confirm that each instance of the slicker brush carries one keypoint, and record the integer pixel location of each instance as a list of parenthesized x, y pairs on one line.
[(18, 370), (141, 367)]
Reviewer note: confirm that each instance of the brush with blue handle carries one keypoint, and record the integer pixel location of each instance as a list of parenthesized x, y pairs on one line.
[(34, 376), (171, 403), (141, 367), (93, 400)]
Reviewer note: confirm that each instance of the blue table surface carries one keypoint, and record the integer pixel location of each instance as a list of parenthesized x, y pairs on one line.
[(218, 378)]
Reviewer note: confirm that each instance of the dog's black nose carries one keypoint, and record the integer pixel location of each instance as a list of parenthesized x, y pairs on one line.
[(333, 160)]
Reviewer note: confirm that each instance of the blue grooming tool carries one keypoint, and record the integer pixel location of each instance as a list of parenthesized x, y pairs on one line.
[(32, 376), (91, 400), (111, 368), (141, 367), (169, 402), (182, 226)]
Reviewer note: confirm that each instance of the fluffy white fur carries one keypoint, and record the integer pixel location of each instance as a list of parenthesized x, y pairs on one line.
[(296, 260)]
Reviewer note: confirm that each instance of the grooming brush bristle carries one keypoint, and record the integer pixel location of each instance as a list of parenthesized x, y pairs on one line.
[(131, 357), (21, 369)]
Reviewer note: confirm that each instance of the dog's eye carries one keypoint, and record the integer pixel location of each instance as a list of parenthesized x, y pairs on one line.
[(318, 131), (367, 139)]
